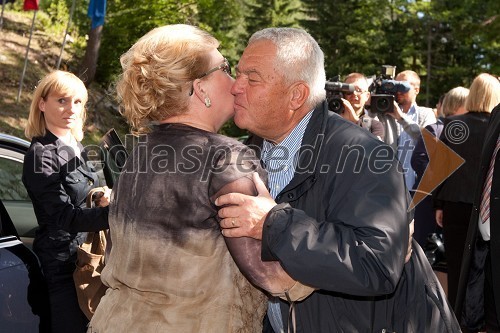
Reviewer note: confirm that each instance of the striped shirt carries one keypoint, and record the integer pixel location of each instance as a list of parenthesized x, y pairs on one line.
[(280, 161)]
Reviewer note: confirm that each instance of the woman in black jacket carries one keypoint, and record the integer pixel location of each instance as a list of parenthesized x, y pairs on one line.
[(464, 134), (58, 178)]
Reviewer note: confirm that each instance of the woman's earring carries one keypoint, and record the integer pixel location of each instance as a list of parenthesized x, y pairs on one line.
[(208, 103)]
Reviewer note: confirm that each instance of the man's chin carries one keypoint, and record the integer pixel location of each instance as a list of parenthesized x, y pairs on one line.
[(239, 121)]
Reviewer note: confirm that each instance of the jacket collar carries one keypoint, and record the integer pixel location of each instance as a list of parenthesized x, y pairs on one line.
[(311, 146), (63, 151)]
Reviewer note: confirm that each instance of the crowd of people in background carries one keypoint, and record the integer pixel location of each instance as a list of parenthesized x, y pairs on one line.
[(448, 209), (260, 239)]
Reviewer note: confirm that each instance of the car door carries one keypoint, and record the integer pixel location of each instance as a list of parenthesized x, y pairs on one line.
[(14, 196)]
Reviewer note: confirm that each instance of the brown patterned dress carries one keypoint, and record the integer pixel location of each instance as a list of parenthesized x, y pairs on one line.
[(169, 269)]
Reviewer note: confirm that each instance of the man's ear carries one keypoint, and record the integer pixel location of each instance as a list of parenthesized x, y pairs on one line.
[(299, 92)]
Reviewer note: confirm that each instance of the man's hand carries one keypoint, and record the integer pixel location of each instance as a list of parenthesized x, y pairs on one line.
[(349, 113), (243, 215), (396, 113)]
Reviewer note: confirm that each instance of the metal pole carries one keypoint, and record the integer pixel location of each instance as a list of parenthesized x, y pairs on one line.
[(26, 58), (1, 17), (65, 34)]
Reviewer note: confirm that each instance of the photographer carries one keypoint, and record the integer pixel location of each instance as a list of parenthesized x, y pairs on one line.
[(354, 105), (402, 126)]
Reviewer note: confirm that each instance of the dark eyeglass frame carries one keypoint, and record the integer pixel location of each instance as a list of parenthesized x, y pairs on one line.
[(225, 67)]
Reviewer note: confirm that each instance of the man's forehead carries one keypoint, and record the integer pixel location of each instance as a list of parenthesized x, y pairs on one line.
[(360, 82), (260, 52)]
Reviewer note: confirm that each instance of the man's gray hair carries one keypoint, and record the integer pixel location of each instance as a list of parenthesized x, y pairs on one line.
[(298, 57)]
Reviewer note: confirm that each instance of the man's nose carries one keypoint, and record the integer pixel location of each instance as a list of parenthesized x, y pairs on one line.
[(237, 86)]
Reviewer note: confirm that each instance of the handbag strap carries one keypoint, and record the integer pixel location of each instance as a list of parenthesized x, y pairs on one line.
[(95, 242)]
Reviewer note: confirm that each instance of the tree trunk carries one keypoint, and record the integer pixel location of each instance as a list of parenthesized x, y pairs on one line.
[(89, 64)]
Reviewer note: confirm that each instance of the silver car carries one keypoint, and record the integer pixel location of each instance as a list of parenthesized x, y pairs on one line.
[(12, 191)]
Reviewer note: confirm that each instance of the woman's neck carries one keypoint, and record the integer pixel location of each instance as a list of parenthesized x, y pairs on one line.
[(62, 133), (190, 121)]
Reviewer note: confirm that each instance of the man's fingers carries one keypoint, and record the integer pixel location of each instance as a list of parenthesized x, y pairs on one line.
[(228, 223), (229, 212), (231, 232), (229, 199)]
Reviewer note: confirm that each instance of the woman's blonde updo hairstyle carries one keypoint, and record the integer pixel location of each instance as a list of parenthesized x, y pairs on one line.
[(60, 82), (158, 73)]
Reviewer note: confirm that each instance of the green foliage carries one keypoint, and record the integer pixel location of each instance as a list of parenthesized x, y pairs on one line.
[(224, 20), (448, 42), (128, 20), (58, 12), (261, 14)]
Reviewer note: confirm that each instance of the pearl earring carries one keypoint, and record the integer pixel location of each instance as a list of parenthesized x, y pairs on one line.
[(208, 103)]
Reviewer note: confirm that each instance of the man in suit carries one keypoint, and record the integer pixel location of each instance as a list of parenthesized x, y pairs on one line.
[(335, 215), (478, 298)]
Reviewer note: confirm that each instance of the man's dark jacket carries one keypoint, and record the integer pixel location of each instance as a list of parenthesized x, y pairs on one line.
[(471, 283), (341, 226)]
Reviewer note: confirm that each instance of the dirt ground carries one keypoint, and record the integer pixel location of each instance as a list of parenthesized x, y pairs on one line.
[(42, 58)]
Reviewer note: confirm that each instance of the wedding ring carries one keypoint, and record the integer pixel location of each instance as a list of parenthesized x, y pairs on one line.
[(232, 222)]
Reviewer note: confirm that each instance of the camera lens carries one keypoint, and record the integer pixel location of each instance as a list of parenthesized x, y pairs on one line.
[(335, 105), (383, 104)]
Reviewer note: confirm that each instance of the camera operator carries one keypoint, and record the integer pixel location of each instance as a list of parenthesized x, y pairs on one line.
[(354, 105), (411, 118), (402, 126)]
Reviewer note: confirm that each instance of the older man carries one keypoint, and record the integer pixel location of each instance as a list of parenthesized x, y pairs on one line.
[(338, 221)]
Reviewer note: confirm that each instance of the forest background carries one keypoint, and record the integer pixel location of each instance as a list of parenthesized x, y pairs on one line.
[(448, 42)]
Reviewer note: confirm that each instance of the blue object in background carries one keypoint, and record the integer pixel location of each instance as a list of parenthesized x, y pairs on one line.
[(97, 11)]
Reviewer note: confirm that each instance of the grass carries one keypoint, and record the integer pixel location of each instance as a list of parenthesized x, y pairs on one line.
[(45, 47)]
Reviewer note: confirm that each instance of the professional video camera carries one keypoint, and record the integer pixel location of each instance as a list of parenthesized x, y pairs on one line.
[(384, 89), (335, 90)]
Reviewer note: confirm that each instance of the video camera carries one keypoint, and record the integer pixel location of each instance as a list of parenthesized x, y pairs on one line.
[(335, 90), (384, 88)]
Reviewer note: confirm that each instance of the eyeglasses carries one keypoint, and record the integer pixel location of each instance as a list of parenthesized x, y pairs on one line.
[(225, 67), (357, 92)]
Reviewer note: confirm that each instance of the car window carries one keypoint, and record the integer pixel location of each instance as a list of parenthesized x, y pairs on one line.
[(11, 170)]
